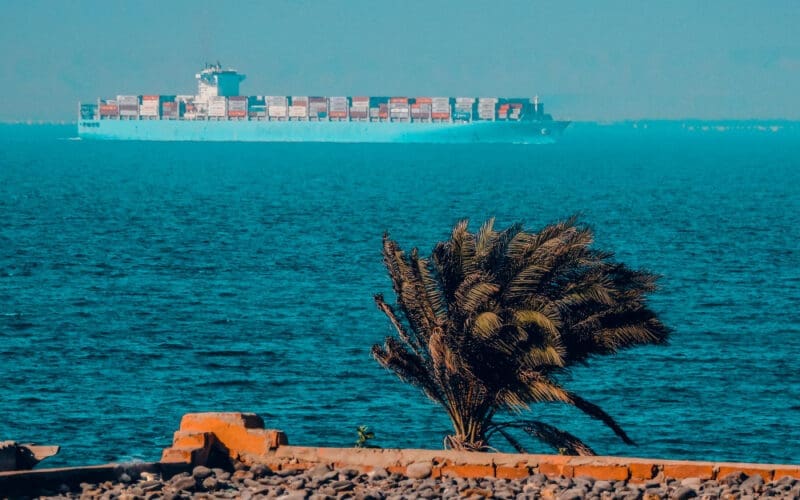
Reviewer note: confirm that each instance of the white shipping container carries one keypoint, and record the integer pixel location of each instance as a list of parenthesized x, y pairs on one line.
[(237, 105), (276, 99), (148, 111), (128, 99), (216, 99), (277, 111), (217, 111), (298, 111)]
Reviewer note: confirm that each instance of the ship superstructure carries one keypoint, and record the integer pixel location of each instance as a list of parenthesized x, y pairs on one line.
[(218, 113)]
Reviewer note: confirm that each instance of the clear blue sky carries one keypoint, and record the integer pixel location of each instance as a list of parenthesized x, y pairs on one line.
[(588, 60)]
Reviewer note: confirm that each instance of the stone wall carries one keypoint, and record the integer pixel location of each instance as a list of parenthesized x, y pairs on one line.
[(242, 436)]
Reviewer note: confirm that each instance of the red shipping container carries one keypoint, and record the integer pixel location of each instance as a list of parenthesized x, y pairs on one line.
[(441, 116), (424, 100), (149, 98), (237, 114), (109, 110), (403, 100), (338, 114)]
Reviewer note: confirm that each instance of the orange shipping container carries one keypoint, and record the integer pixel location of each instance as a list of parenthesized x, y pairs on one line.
[(149, 98)]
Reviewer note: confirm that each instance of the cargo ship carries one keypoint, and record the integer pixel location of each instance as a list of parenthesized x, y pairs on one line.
[(218, 113)]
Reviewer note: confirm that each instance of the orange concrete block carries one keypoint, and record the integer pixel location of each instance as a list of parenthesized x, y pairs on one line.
[(749, 469), (241, 433), (199, 421), (604, 472), (398, 469), (781, 472), (473, 471), (190, 439), (556, 466), (642, 471), (683, 470), (519, 472), (179, 455)]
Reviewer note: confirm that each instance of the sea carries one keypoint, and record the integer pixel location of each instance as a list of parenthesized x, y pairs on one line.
[(142, 281)]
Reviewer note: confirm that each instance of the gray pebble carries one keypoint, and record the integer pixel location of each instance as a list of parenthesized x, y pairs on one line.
[(572, 494), (261, 470), (419, 470), (210, 483), (318, 471), (378, 474), (296, 495), (692, 482), (752, 483), (601, 486), (201, 472), (683, 493), (185, 483)]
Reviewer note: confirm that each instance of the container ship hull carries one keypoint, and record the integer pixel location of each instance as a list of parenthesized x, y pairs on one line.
[(522, 132)]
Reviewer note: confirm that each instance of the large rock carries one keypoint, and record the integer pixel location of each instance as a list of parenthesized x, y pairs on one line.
[(419, 470), (14, 456)]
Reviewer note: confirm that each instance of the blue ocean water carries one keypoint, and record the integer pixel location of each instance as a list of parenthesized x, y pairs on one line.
[(141, 281)]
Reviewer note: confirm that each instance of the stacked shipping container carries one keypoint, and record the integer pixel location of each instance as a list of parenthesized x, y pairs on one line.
[(149, 106), (317, 108), (463, 110), (337, 108), (486, 108), (237, 107), (299, 108), (360, 108), (128, 106), (277, 107), (217, 106), (399, 109), (440, 108), (256, 108)]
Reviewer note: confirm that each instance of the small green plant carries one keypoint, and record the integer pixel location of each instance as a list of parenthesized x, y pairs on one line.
[(364, 435)]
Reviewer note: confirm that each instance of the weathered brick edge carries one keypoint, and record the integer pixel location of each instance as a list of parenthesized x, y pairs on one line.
[(239, 435), (242, 436)]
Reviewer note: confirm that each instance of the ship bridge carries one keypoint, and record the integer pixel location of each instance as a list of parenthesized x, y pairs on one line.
[(215, 81)]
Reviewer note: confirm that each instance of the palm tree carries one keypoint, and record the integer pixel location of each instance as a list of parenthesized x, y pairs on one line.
[(488, 322)]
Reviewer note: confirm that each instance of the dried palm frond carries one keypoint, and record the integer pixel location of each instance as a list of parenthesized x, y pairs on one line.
[(489, 321)]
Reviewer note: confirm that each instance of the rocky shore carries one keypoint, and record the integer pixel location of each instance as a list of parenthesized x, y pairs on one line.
[(322, 482)]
